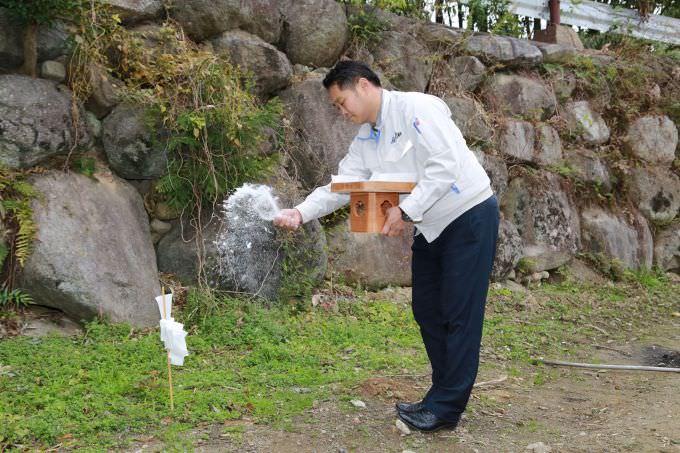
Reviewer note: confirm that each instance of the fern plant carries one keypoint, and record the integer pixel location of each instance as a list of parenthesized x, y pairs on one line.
[(18, 233), (14, 297)]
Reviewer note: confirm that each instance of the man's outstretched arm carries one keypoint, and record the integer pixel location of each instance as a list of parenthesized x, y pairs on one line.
[(322, 201)]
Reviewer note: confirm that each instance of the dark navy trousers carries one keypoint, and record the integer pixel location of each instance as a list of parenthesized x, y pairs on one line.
[(450, 283)]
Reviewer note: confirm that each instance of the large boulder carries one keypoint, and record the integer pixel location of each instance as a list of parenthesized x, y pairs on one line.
[(508, 251), (541, 257), (36, 121), (588, 167), (548, 148), (517, 140), (105, 91), (540, 206), (608, 234), (501, 49), (389, 20), (323, 136), (585, 123), (372, 260), (131, 148), (667, 249), (52, 41), (563, 84), (155, 40), (656, 192), (525, 143), (93, 254), (315, 32), (521, 96), (496, 170), (406, 62), (133, 11), (254, 258), (556, 53), (11, 54), (270, 67), (439, 38), (204, 19), (470, 118), (53, 70), (178, 253), (463, 73), (653, 138)]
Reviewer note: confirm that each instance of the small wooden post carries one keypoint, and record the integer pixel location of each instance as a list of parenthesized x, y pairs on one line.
[(165, 316)]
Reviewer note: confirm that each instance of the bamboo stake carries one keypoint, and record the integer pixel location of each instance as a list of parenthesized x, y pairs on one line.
[(609, 367), (165, 316)]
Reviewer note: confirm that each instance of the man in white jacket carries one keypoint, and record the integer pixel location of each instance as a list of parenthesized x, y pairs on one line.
[(455, 214)]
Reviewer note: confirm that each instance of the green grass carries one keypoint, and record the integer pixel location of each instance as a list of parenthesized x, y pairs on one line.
[(109, 384), (108, 387)]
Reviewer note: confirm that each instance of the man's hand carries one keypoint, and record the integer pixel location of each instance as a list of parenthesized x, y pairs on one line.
[(394, 225), (288, 219)]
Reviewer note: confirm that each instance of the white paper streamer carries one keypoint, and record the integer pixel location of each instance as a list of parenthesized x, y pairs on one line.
[(174, 338), (173, 334), (168, 305)]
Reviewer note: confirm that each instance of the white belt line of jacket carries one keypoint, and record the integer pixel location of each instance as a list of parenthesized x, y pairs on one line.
[(414, 134)]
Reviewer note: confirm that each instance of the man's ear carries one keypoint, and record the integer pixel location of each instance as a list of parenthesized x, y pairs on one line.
[(363, 84)]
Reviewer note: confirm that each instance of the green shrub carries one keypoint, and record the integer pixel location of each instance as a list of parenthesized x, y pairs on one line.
[(365, 28)]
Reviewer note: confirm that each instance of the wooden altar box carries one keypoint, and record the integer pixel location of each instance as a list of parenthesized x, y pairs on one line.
[(370, 200)]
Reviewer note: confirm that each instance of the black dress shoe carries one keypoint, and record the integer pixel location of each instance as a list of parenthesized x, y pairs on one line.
[(424, 420), (410, 407)]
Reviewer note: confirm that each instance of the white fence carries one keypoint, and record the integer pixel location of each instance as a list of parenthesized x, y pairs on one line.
[(602, 17)]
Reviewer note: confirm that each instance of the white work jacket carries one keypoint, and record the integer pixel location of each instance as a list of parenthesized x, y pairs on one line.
[(413, 134)]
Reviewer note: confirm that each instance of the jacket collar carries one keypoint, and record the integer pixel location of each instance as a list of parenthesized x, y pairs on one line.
[(384, 101), (369, 132)]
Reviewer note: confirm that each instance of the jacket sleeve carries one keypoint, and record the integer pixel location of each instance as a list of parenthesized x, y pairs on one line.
[(439, 139), (322, 201)]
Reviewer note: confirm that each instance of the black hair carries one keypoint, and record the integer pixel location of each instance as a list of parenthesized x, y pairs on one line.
[(348, 72)]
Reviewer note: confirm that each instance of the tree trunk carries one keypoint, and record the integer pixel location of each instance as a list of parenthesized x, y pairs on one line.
[(30, 66), (439, 11), (527, 26)]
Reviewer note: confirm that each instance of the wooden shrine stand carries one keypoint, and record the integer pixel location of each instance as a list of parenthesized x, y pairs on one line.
[(370, 200)]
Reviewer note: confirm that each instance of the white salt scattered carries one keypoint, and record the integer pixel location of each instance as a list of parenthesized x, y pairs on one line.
[(260, 197), (246, 246)]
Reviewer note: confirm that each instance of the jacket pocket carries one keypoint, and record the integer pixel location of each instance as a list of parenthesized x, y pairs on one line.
[(396, 152)]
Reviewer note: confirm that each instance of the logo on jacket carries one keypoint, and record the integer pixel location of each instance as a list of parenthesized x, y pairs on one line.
[(395, 137), (416, 124)]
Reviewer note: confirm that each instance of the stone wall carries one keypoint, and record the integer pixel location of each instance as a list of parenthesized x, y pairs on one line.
[(573, 178)]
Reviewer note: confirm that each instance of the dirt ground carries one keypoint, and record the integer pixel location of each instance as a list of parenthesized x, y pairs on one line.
[(575, 410)]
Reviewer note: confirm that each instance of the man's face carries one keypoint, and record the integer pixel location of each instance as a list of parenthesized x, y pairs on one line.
[(351, 102)]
